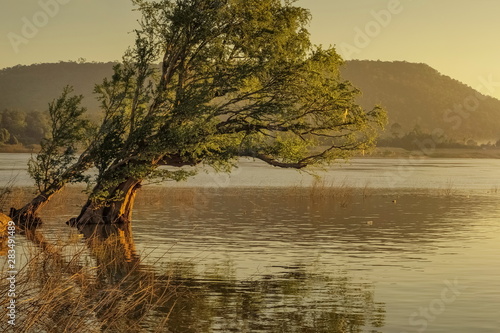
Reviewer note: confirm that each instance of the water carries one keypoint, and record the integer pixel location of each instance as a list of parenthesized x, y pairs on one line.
[(459, 173), (409, 251), (375, 257)]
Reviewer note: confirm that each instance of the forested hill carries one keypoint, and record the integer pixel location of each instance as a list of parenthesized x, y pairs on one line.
[(28, 88), (419, 97), (415, 95)]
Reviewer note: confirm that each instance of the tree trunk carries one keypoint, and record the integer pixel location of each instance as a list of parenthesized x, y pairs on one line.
[(117, 212), (27, 216)]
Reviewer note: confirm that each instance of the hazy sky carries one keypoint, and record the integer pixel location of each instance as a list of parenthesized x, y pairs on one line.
[(457, 37)]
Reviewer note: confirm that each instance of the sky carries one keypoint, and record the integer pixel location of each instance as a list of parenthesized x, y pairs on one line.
[(459, 38)]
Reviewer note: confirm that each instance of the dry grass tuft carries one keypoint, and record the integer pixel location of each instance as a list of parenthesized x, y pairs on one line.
[(11, 196), (342, 194), (69, 287), (447, 189)]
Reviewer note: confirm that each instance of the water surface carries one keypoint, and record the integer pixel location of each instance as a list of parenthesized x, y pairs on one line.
[(357, 256)]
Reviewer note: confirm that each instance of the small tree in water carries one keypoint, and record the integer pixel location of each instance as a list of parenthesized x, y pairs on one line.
[(236, 78), (57, 163)]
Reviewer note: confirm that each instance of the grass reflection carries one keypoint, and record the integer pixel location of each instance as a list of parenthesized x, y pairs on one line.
[(100, 284)]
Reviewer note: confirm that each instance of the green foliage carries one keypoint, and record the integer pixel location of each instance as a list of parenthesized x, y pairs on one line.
[(421, 140), (22, 127), (68, 133), (236, 78), (13, 140), (4, 135)]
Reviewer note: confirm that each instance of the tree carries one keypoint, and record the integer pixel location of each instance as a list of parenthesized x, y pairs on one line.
[(396, 130), (22, 127), (14, 121), (4, 135), (57, 163), (236, 78), (36, 127), (13, 140)]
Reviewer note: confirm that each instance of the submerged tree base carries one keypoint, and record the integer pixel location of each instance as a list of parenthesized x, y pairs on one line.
[(118, 212), (27, 218), (96, 220)]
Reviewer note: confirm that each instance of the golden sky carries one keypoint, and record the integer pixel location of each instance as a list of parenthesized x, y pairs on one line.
[(456, 37)]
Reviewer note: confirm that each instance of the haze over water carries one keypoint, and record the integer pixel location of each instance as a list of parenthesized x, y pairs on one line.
[(446, 173)]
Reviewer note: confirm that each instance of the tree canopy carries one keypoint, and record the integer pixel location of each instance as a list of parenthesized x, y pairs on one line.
[(17, 126), (236, 78)]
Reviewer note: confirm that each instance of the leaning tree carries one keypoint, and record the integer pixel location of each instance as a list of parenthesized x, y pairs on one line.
[(57, 164), (235, 78)]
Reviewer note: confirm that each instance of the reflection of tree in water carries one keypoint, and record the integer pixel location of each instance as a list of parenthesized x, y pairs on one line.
[(294, 301), (132, 295), (102, 287), (111, 290)]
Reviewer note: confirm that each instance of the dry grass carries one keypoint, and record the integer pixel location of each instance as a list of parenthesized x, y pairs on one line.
[(11, 196), (448, 189), (5, 192), (494, 189), (100, 284), (341, 194), (66, 203), (188, 201), (68, 287), (19, 148), (367, 191)]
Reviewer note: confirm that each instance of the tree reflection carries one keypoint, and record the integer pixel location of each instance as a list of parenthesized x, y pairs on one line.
[(294, 301), (109, 288)]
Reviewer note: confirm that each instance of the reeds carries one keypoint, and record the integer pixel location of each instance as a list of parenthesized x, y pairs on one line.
[(6, 193), (342, 193), (448, 189), (64, 287)]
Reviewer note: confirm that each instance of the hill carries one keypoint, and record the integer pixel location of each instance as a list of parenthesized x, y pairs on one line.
[(30, 88), (416, 96)]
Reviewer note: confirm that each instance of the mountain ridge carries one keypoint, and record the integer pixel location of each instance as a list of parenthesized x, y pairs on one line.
[(416, 96)]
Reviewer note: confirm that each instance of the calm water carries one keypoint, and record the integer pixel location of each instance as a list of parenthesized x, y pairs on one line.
[(412, 246), (373, 172)]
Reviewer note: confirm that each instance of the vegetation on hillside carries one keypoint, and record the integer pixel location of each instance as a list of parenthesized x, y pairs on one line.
[(418, 139), (27, 128), (29, 88), (416, 95)]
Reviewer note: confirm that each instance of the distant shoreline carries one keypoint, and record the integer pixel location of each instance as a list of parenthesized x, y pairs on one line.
[(392, 152), (379, 152), (19, 149)]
